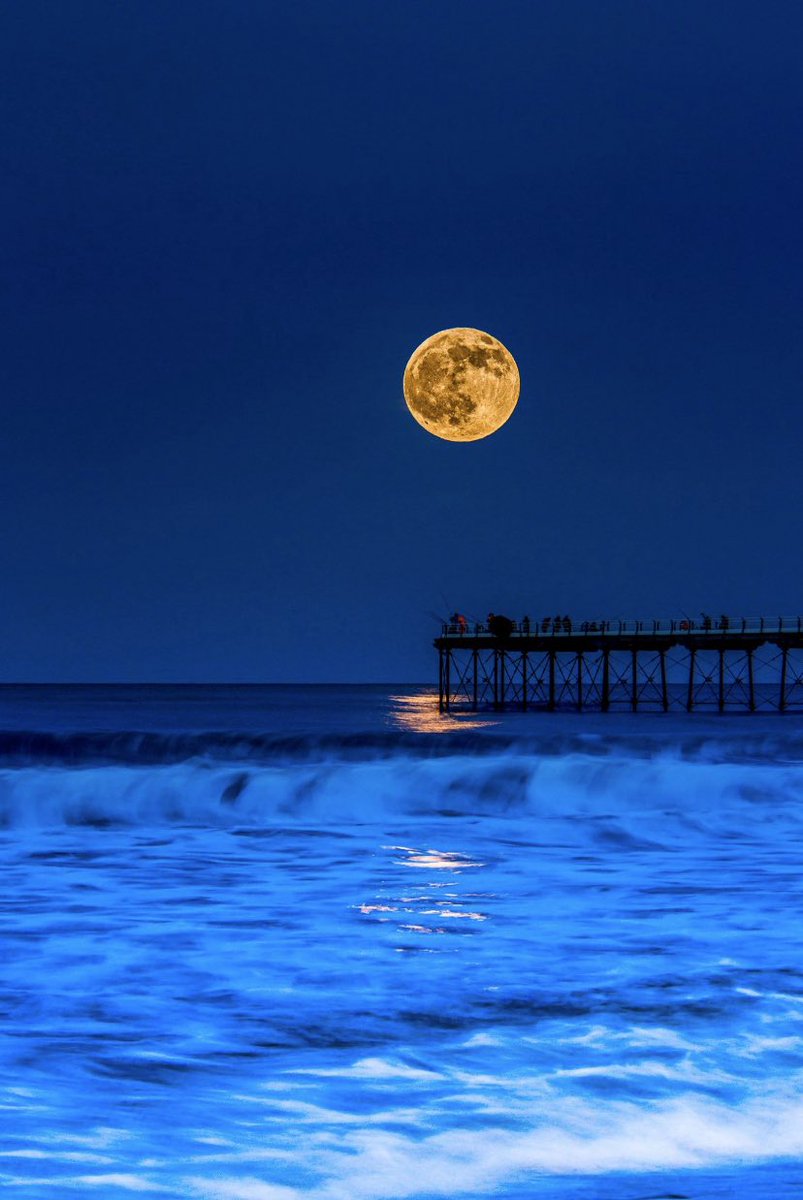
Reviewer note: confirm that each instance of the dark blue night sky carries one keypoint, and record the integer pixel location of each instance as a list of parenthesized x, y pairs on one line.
[(226, 226)]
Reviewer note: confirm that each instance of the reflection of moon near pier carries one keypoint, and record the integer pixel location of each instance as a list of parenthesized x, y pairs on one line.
[(418, 714)]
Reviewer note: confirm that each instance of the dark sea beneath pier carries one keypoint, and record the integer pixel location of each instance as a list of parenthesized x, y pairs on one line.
[(316, 943)]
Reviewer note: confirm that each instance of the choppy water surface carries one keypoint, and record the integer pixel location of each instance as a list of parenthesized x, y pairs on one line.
[(275, 944)]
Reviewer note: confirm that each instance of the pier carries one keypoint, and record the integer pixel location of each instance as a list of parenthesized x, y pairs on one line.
[(721, 664)]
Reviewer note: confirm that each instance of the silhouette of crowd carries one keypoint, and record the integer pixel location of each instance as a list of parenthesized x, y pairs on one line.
[(500, 626)]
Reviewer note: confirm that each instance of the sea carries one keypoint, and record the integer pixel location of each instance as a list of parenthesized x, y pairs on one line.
[(322, 943)]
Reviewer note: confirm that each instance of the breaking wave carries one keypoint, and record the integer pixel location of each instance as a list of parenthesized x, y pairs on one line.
[(243, 785)]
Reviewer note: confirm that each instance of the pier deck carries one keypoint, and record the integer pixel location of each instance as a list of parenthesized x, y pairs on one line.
[(722, 664)]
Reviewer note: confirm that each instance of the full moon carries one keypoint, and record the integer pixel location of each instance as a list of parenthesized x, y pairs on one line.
[(461, 384)]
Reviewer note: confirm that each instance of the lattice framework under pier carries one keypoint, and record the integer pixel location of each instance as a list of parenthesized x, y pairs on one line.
[(694, 676)]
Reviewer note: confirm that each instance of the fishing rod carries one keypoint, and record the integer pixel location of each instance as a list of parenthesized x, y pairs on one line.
[(435, 616)]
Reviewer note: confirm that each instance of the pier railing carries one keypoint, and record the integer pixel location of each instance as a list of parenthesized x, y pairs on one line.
[(563, 627)]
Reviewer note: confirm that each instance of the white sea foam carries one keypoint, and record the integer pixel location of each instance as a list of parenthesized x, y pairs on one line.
[(572, 1138), (372, 1068)]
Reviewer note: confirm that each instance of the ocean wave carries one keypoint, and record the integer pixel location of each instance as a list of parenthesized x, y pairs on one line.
[(621, 801), (566, 1138), (394, 1154), (20, 748), (147, 748)]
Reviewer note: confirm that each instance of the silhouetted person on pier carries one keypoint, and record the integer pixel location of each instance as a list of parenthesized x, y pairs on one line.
[(501, 627), (545, 624), (706, 621), (724, 623), (525, 626), (567, 624), (557, 624)]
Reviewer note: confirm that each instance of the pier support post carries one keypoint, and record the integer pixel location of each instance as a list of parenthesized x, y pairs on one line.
[(501, 679), (496, 680), (721, 702), (440, 681), (448, 678), (751, 694), (634, 682), (606, 680), (579, 680), (690, 697), (551, 680), (524, 680), (664, 690), (475, 657), (782, 696)]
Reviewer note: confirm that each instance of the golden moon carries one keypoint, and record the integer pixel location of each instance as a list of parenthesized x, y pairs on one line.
[(461, 384)]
